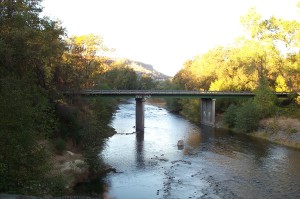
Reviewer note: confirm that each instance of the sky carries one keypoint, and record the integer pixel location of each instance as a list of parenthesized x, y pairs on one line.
[(163, 33)]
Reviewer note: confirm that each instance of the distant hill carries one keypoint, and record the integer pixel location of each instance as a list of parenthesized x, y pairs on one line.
[(145, 69)]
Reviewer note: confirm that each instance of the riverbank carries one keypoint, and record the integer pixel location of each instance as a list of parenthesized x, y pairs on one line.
[(281, 130), (73, 167), (81, 136)]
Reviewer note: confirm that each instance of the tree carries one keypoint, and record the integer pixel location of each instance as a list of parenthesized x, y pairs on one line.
[(30, 49), (30, 46), (146, 83), (83, 66), (264, 99), (121, 77), (279, 40), (267, 50)]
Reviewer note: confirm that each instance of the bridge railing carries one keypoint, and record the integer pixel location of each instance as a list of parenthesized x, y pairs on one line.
[(91, 91), (169, 92)]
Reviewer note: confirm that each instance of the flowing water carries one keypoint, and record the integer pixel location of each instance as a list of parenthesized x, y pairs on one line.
[(214, 163)]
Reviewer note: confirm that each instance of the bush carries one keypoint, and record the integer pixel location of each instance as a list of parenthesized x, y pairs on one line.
[(60, 145), (191, 109), (230, 115), (247, 117)]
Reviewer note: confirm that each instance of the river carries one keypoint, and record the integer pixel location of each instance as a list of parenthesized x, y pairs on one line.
[(214, 163)]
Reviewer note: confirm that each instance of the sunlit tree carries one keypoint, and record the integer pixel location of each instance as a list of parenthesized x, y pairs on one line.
[(83, 61)]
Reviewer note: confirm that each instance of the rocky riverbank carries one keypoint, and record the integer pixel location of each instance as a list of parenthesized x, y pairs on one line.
[(71, 166)]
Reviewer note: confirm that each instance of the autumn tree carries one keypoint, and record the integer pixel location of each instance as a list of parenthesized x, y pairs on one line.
[(265, 59), (83, 62), (278, 40), (268, 50)]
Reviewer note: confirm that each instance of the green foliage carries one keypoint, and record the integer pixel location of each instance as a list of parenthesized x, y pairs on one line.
[(95, 131), (166, 85), (191, 109), (29, 45), (121, 78), (30, 49), (291, 110), (55, 186), (230, 115), (60, 145), (264, 100), (146, 83), (247, 118), (69, 122), (23, 116), (85, 122), (174, 105), (35, 65)]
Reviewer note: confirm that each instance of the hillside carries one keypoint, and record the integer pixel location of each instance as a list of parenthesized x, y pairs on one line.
[(145, 69)]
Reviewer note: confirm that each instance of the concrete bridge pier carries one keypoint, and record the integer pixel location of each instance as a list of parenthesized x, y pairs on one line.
[(139, 115), (208, 111)]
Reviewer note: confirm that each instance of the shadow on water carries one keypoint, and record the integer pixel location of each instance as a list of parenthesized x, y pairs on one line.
[(225, 142), (94, 188)]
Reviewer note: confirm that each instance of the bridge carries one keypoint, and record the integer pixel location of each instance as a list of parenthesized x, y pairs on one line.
[(170, 93), (208, 99)]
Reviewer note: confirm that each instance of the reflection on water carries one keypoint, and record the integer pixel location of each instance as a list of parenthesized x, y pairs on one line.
[(194, 139), (213, 164), (140, 161), (192, 142)]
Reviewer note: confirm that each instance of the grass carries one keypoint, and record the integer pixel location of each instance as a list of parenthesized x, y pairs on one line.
[(281, 130), (282, 123)]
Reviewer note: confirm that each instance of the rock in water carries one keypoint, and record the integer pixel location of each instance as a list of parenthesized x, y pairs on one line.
[(180, 144)]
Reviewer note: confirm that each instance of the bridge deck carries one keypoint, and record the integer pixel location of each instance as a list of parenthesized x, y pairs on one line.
[(169, 93)]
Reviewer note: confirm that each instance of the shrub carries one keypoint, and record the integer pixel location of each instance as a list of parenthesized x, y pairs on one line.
[(247, 117), (230, 116), (293, 130), (60, 145)]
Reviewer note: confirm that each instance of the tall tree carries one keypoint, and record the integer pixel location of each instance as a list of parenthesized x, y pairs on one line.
[(30, 48), (83, 65), (29, 44), (278, 43)]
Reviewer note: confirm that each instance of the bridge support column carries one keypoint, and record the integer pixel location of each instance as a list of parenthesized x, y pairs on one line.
[(139, 115), (208, 111)]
